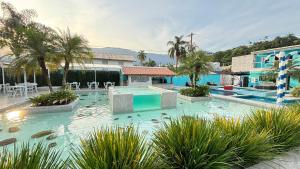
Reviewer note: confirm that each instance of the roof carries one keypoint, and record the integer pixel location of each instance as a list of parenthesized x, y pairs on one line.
[(277, 49), (110, 56), (147, 71)]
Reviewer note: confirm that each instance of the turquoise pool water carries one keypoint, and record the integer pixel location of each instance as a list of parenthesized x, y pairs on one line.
[(143, 98), (93, 112)]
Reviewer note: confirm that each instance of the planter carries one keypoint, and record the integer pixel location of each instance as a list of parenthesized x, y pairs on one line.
[(54, 108), (193, 99)]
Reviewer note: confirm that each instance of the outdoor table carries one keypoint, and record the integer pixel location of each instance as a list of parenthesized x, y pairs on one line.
[(19, 88)]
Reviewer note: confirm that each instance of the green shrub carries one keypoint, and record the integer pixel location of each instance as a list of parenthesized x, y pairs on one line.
[(282, 124), (35, 157), (250, 146), (296, 92), (55, 98), (114, 149), (198, 91), (192, 143)]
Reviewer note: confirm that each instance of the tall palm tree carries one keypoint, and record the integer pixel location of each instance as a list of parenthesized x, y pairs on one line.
[(195, 64), (141, 56), (40, 44), (73, 48), (177, 49)]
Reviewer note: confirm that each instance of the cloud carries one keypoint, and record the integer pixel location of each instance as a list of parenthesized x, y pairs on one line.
[(149, 24)]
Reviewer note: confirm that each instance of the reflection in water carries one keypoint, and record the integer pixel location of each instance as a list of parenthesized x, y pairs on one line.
[(15, 116)]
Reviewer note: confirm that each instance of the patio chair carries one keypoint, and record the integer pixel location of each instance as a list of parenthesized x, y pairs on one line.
[(10, 91)]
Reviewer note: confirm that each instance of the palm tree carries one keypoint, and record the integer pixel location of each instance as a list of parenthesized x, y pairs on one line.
[(13, 24), (141, 56), (72, 49), (40, 44), (195, 64), (177, 49)]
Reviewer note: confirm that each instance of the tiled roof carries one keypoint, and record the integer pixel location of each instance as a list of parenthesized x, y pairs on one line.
[(147, 71), (109, 56)]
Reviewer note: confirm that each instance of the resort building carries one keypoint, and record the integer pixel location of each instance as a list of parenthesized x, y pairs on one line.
[(144, 76), (254, 70)]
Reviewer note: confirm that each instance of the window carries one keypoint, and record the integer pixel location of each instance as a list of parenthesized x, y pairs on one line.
[(139, 78), (121, 63), (105, 62)]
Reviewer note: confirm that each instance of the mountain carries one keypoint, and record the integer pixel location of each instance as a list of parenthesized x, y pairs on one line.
[(162, 59)]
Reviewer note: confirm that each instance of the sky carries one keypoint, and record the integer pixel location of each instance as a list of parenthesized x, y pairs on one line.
[(150, 24)]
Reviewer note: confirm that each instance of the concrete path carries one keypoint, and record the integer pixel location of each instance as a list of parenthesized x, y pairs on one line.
[(290, 160)]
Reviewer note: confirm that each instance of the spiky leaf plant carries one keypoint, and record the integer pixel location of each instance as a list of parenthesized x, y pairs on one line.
[(114, 148), (192, 143), (250, 146), (37, 156), (282, 124)]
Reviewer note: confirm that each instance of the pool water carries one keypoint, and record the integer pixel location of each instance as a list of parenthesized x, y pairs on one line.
[(265, 99), (93, 112), (137, 90)]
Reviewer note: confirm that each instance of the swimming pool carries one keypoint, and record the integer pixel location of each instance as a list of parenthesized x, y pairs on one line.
[(266, 99), (93, 112)]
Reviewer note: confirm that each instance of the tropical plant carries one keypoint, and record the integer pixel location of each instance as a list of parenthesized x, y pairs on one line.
[(250, 146), (72, 49), (54, 98), (150, 63), (13, 24), (296, 92), (198, 91), (177, 49), (114, 149), (142, 56), (195, 64), (192, 143), (40, 44), (282, 124), (31, 157)]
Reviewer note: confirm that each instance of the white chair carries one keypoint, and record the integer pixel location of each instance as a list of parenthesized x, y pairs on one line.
[(10, 91)]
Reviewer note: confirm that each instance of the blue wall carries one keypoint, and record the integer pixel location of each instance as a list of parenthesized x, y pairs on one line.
[(181, 80)]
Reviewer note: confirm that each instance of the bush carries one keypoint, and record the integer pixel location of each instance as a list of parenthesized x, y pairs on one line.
[(114, 149), (192, 143), (250, 146), (283, 125), (198, 91), (55, 98), (35, 157), (296, 92)]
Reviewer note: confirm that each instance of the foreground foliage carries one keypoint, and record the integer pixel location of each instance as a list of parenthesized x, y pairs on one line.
[(114, 149), (192, 143), (55, 98), (36, 157), (187, 142), (296, 92), (198, 91)]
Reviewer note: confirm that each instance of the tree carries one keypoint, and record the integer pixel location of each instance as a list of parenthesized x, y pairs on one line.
[(141, 56), (13, 26), (194, 65), (150, 63), (40, 45), (72, 49), (177, 49)]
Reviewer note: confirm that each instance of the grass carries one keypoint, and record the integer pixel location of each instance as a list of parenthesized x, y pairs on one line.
[(192, 143), (114, 149), (36, 157)]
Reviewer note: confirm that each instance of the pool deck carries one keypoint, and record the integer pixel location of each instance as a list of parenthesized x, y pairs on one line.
[(289, 160)]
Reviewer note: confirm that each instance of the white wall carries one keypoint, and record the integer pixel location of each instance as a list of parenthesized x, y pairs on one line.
[(113, 62), (242, 63)]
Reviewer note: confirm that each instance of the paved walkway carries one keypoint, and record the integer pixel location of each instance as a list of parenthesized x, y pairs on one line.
[(290, 160)]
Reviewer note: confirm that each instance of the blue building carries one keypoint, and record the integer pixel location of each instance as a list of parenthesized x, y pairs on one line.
[(254, 70)]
